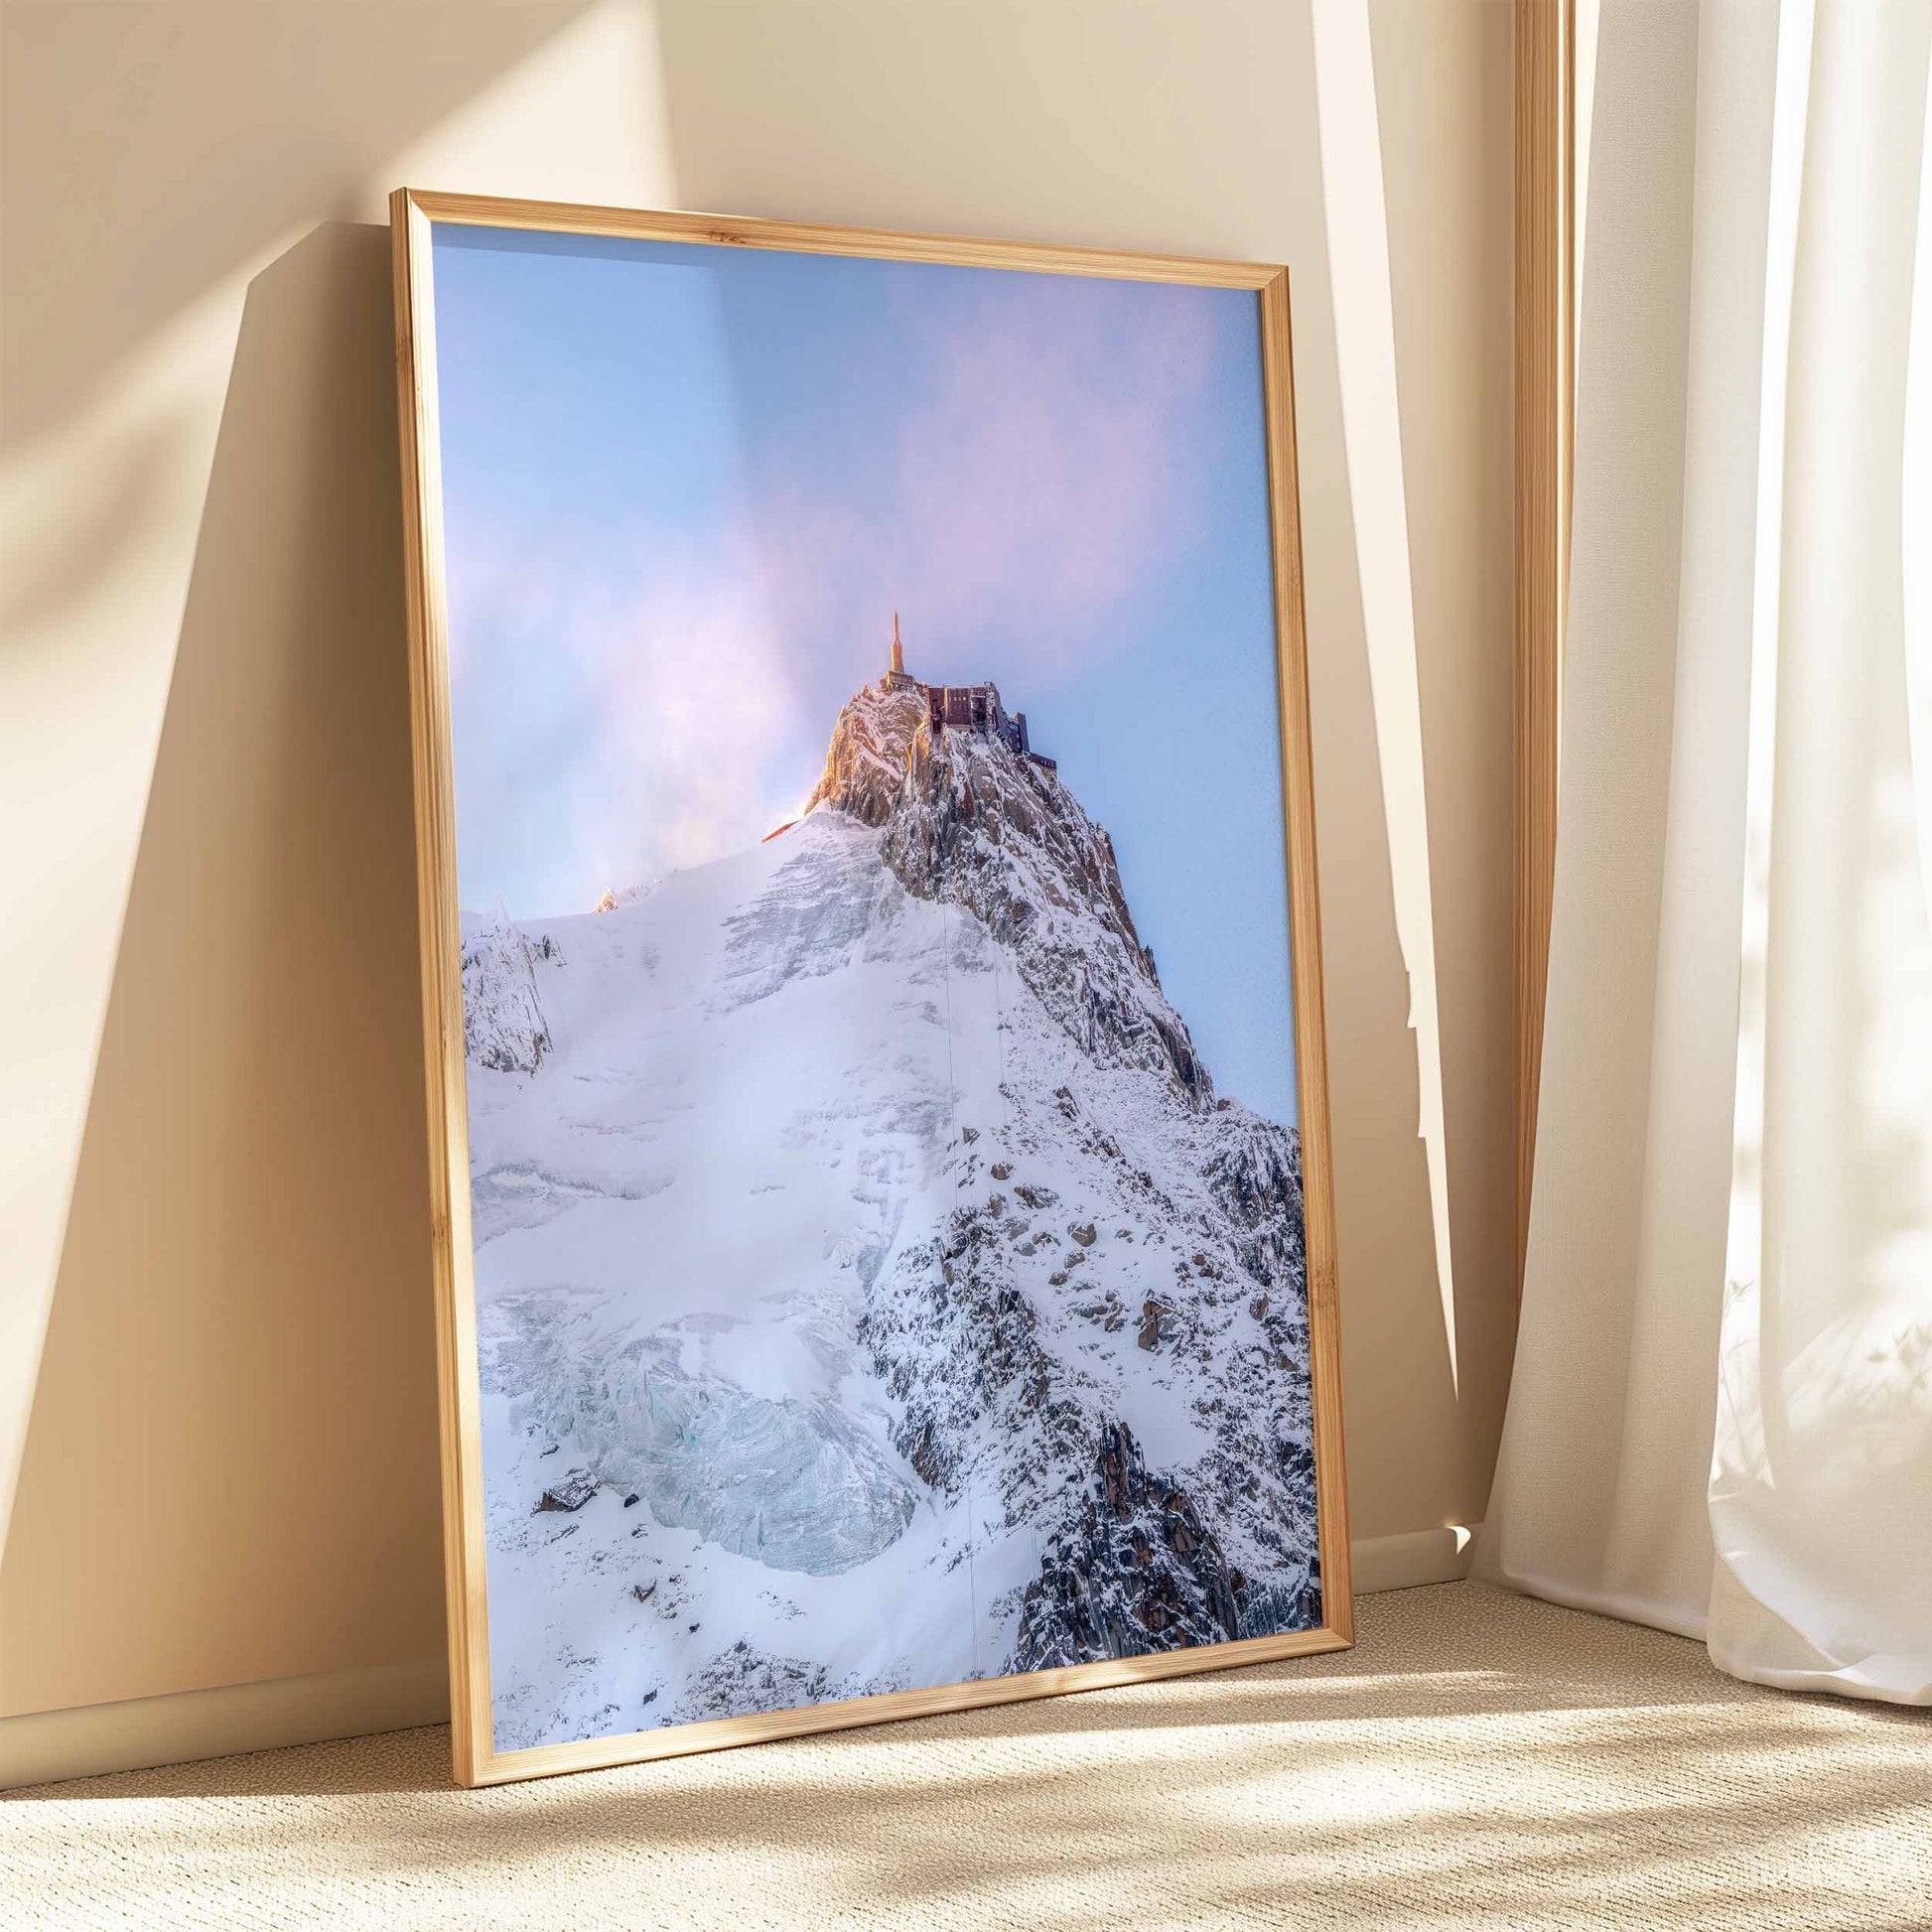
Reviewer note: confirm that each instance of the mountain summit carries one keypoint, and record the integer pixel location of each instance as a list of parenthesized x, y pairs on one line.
[(872, 1290), (974, 818)]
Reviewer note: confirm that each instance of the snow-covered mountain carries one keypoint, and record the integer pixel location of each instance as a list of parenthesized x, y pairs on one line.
[(872, 1292)]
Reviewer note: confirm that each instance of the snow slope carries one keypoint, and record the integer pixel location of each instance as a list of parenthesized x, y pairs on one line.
[(872, 1293)]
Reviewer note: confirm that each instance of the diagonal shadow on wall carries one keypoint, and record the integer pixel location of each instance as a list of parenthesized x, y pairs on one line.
[(236, 1402)]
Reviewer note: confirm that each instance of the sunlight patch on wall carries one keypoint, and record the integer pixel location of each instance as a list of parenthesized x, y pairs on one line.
[(1358, 254)]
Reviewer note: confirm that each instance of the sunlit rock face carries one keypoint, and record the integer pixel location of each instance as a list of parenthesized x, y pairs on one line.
[(864, 764), (857, 1215)]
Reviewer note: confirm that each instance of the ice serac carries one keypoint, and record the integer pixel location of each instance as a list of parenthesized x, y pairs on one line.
[(788, 1483)]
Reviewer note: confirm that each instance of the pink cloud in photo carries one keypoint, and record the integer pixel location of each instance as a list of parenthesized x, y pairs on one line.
[(1040, 485)]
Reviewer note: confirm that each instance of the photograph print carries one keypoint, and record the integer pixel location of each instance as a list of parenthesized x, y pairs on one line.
[(869, 764)]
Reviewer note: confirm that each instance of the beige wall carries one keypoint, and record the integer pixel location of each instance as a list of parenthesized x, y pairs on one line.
[(215, 1329)]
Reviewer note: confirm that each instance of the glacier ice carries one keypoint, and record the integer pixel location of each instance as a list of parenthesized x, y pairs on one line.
[(793, 1485)]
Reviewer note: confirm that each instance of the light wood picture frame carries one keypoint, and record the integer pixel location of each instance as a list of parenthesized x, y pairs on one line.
[(1134, 1549)]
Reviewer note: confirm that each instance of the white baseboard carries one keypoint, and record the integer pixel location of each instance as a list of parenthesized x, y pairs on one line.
[(138, 1733), (1380, 1563)]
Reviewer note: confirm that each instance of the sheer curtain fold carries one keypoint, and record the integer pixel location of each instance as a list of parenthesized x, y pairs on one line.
[(1720, 1421)]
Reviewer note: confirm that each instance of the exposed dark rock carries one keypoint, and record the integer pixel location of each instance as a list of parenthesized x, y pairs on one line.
[(573, 1493), (978, 824), (1255, 1173), (1136, 1571), (1157, 1324)]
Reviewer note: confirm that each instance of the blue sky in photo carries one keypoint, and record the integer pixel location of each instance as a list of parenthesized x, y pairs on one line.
[(686, 486)]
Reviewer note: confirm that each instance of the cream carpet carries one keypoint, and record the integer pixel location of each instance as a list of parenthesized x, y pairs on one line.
[(1479, 1760)]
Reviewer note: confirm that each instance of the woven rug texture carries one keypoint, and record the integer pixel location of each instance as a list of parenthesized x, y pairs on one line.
[(1479, 1760)]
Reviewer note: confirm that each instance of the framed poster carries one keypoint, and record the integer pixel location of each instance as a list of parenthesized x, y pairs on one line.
[(878, 1118)]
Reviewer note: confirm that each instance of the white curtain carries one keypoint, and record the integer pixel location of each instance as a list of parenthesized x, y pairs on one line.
[(1720, 1421)]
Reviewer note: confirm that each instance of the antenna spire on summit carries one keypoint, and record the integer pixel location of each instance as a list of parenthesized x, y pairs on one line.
[(898, 649)]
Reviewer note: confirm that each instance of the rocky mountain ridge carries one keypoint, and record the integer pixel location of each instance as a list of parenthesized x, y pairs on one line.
[(974, 823)]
